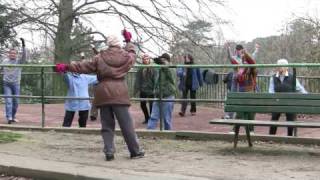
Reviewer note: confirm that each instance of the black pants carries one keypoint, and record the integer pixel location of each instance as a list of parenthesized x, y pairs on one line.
[(276, 116), (143, 105), (247, 116), (185, 104), (68, 118)]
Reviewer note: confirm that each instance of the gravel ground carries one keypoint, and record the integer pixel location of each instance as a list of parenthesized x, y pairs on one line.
[(199, 159)]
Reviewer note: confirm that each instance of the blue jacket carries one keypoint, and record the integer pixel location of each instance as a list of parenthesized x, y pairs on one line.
[(78, 85), (197, 80)]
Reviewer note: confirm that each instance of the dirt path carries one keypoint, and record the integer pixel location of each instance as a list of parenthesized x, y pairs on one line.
[(199, 159)]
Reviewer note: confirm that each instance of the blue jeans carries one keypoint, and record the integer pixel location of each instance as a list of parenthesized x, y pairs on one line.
[(167, 109), (11, 103)]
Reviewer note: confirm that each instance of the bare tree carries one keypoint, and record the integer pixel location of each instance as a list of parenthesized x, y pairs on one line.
[(8, 21), (157, 19), (197, 40)]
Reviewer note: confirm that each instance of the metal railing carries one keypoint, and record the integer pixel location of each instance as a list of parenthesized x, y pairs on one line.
[(210, 98)]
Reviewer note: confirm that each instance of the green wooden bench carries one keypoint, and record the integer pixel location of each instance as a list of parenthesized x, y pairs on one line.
[(268, 103)]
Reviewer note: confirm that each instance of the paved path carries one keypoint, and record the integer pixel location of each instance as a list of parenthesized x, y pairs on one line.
[(30, 114), (40, 168)]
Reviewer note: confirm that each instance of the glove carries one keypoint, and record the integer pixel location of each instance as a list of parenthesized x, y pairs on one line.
[(22, 42), (61, 68), (127, 36)]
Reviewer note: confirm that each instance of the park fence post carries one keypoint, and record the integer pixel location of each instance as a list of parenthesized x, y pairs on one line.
[(160, 101), (42, 98)]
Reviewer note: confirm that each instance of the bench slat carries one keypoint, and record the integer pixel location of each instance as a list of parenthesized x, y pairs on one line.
[(269, 109), (242, 95), (274, 102), (265, 123)]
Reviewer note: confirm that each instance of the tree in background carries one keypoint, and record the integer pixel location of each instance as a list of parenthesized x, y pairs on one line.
[(157, 19), (5, 31), (197, 40), (304, 39), (8, 20), (81, 41), (299, 42)]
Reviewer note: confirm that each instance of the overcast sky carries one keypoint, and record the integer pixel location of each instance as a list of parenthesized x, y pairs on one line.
[(250, 18), (261, 18)]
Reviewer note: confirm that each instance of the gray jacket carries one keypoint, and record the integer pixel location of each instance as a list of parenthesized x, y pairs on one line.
[(13, 74)]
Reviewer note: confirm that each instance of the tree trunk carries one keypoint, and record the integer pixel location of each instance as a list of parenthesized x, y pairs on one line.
[(63, 49)]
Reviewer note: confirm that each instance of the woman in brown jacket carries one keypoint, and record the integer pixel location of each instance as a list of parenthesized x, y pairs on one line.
[(111, 93)]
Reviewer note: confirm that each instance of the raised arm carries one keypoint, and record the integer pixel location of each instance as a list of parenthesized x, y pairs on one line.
[(130, 48), (84, 67), (248, 58), (300, 88), (229, 52), (24, 55), (256, 51), (271, 85), (230, 57)]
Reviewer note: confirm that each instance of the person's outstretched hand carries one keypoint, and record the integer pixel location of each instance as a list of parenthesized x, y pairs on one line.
[(61, 68), (126, 35)]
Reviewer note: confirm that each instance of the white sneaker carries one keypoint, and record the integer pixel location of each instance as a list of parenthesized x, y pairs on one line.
[(231, 132), (226, 117), (15, 120), (251, 133), (9, 121)]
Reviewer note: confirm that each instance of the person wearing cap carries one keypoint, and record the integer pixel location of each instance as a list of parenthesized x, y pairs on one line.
[(111, 93), (165, 86), (11, 82), (283, 81), (144, 86), (244, 79)]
